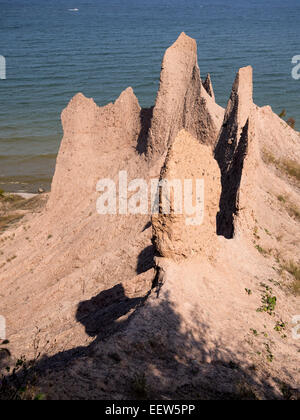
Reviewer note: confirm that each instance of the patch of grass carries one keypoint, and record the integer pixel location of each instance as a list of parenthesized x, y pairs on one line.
[(282, 113), (5, 221), (276, 283), (20, 382), (294, 270), (268, 300), (269, 158), (290, 121), (270, 355), (281, 198), (292, 209), (261, 250), (245, 392), (296, 287), (292, 168), (289, 166), (139, 386), (255, 233), (13, 208), (280, 326), (10, 198), (288, 392)]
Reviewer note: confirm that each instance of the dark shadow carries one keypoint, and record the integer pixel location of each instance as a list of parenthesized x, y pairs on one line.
[(154, 359), (147, 226), (146, 260), (146, 119), (207, 85), (142, 350), (230, 156), (4, 357), (100, 314)]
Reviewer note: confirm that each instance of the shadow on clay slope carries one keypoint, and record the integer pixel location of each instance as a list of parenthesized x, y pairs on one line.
[(231, 163), (146, 119), (148, 356), (100, 314)]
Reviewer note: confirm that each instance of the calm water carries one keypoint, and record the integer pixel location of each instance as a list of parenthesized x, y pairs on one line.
[(52, 53)]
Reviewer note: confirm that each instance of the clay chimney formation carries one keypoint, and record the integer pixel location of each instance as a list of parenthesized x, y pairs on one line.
[(175, 235), (232, 148), (187, 136)]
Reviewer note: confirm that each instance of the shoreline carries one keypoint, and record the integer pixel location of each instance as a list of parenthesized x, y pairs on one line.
[(22, 188), (26, 196)]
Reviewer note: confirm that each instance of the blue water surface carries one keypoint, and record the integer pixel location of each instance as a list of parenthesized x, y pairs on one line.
[(53, 52)]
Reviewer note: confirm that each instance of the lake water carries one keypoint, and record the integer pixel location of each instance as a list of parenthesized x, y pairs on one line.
[(53, 52)]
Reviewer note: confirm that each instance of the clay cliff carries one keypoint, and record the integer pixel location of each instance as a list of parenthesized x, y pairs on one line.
[(148, 305)]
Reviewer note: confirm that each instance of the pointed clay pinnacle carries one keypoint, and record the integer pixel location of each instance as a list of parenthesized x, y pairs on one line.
[(207, 84), (184, 42), (241, 98), (181, 101), (232, 149), (237, 114)]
